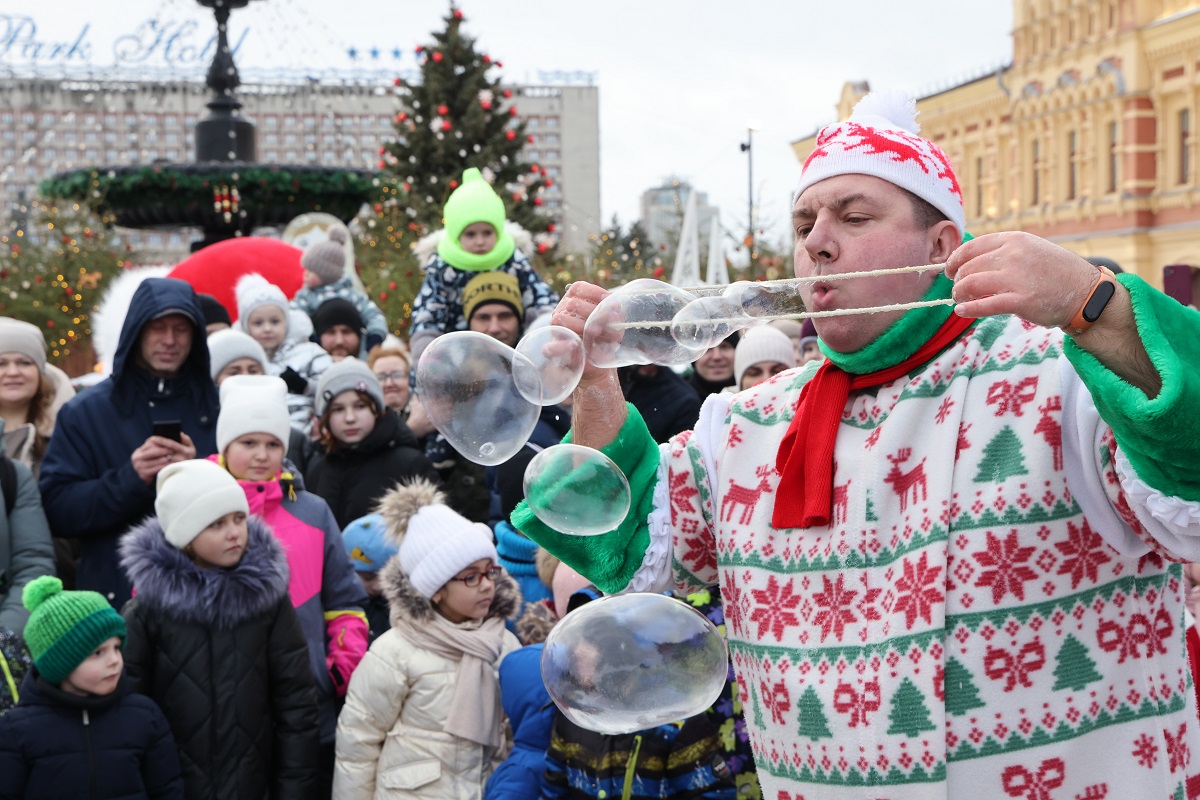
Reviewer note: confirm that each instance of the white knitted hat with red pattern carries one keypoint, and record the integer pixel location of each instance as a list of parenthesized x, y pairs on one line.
[(880, 139)]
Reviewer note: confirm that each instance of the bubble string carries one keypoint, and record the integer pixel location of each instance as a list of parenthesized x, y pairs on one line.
[(836, 312), (873, 273)]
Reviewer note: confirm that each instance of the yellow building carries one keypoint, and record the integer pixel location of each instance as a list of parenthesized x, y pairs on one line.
[(1088, 136)]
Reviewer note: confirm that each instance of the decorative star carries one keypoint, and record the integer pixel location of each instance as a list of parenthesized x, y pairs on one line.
[(352, 52), (374, 53), (397, 53)]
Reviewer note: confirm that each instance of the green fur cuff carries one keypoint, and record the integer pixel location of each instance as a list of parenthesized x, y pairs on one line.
[(610, 559), (1160, 437)]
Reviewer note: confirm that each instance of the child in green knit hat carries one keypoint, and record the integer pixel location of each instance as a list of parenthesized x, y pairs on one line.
[(76, 731), (474, 240)]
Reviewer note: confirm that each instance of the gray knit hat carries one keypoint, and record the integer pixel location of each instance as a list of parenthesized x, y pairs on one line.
[(227, 346), (349, 374), (22, 337), (327, 259)]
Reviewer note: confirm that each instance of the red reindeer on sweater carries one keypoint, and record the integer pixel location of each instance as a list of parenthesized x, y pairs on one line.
[(903, 481), (747, 498)]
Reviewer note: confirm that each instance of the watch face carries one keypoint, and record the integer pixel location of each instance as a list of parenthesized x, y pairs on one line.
[(1099, 299)]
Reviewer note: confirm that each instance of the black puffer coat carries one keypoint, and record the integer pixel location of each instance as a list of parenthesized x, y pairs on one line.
[(352, 479), (57, 745), (221, 652)]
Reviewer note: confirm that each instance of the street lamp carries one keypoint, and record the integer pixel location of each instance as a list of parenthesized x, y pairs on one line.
[(747, 149)]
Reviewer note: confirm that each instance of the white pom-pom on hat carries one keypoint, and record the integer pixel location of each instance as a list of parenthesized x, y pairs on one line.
[(888, 108)]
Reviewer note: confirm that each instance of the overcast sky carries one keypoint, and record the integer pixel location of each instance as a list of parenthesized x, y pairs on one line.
[(679, 80)]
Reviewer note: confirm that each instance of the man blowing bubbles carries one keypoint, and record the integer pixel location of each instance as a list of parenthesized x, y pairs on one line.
[(948, 563)]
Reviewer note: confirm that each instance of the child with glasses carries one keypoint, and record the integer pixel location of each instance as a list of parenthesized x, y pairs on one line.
[(422, 717)]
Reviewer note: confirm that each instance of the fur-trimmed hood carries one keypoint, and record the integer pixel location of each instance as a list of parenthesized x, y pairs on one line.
[(165, 579), (406, 602)]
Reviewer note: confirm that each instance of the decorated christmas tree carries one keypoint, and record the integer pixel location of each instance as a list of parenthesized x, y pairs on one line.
[(54, 264), (620, 256), (456, 117)]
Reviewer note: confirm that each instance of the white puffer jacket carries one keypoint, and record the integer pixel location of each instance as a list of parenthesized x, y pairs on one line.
[(390, 738)]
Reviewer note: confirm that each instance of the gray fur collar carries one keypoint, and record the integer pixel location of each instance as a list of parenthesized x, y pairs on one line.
[(406, 602), (166, 580)]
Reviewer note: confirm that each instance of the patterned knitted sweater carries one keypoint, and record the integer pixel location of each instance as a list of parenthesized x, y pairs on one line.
[(991, 612)]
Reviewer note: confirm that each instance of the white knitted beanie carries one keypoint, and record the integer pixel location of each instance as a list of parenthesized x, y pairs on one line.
[(438, 544), (764, 343), (252, 291), (17, 336), (880, 139), (192, 495), (228, 345), (252, 404)]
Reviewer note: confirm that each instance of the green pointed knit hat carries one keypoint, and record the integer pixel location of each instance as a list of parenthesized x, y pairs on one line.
[(474, 201), (65, 627)]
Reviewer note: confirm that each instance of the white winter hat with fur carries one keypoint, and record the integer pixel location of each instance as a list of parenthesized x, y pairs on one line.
[(253, 404), (253, 291), (192, 495), (436, 542)]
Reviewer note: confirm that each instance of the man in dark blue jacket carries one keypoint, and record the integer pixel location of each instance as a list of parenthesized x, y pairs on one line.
[(98, 476)]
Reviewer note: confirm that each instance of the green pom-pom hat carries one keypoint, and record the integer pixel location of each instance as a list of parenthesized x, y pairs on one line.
[(65, 627), (474, 201)]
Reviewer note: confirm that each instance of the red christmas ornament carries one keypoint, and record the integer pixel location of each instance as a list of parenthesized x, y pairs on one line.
[(382, 150), (36, 278), (453, 184), (382, 164), (408, 273), (487, 59), (383, 295), (396, 82), (659, 272), (510, 135), (458, 14), (537, 201), (437, 56), (499, 64), (419, 48), (392, 285), (67, 290), (379, 208), (507, 93), (535, 169), (406, 187), (541, 248), (443, 111), (49, 323), (401, 117), (550, 228), (516, 197), (445, 124), (487, 104), (549, 183), (66, 238), (530, 138), (512, 111)]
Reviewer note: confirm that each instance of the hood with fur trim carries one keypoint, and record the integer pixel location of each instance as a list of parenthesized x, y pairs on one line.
[(166, 580)]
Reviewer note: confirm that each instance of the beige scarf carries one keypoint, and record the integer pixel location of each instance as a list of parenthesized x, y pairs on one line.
[(475, 711)]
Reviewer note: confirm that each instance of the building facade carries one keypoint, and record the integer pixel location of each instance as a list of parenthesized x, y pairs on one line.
[(53, 124), (662, 213), (1087, 137)]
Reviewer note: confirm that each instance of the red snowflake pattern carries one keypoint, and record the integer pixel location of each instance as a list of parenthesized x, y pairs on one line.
[(773, 609), (836, 602), (1178, 752), (1084, 554), (1145, 750), (918, 590), (1007, 559), (682, 493)]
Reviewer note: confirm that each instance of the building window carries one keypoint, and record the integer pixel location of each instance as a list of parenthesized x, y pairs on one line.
[(551, 122), (1112, 157), (1072, 164), (979, 187), (171, 121), (1185, 145), (531, 122), (553, 155), (550, 138), (1036, 163)]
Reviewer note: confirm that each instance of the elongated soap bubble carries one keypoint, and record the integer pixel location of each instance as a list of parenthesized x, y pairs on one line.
[(707, 321), (634, 661), (477, 393), (576, 490), (633, 326)]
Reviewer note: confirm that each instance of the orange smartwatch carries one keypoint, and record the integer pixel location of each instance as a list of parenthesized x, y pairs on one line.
[(1097, 301)]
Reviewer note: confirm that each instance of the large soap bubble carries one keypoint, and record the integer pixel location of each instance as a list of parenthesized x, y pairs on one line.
[(476, 391), (557, 355), (633, 326), (577, 490), (708, 321), (629, 662)]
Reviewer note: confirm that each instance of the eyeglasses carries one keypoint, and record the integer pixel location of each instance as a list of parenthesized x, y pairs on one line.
[(472, 579), (397, 376)]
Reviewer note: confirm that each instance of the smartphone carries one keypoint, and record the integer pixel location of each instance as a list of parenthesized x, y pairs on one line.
[(169, 429)]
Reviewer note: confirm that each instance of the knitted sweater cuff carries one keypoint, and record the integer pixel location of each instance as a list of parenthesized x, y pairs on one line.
[(1159, 436), (609, 560)]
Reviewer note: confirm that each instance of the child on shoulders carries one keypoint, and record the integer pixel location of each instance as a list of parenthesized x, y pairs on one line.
[(325, 278)]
